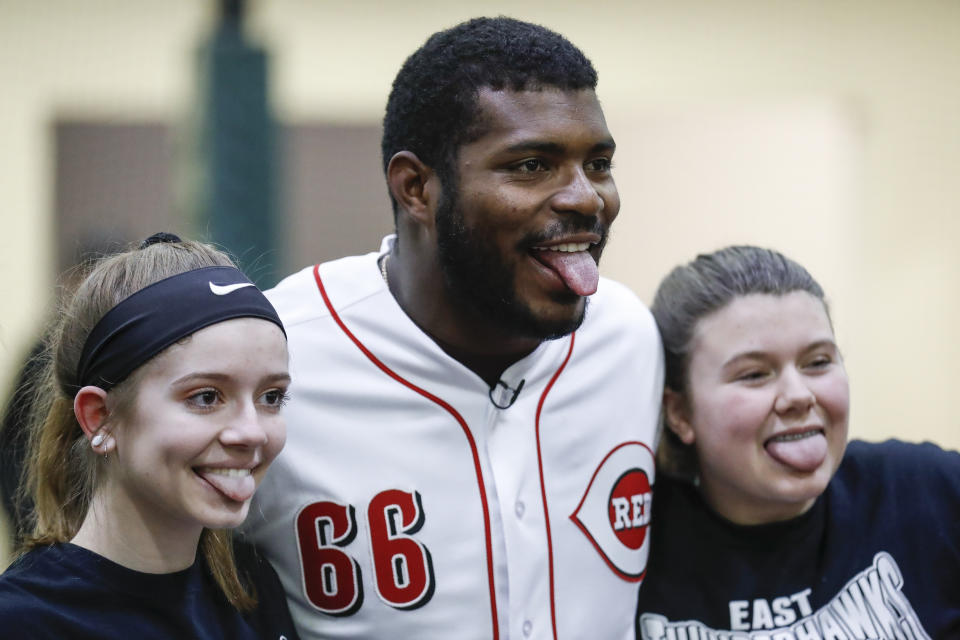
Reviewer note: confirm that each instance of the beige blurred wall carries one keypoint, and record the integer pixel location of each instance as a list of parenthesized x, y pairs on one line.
[(826, 129)]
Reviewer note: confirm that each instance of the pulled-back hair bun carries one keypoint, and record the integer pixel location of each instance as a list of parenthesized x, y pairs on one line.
[(162, 236)]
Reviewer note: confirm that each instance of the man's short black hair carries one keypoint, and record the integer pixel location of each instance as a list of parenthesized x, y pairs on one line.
[(432, 107)]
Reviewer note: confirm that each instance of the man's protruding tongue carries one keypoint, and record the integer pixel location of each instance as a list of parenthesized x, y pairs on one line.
[(578, 269), (804, 454), (239, 488)]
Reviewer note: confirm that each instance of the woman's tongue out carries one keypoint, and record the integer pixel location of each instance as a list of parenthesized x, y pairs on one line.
[(236, 484), (577, 269), (803, 452)]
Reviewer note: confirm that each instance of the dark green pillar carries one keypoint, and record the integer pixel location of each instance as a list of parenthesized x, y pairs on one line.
[(238, 202)]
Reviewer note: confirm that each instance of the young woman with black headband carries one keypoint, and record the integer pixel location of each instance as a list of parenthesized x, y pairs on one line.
[(158, 415)]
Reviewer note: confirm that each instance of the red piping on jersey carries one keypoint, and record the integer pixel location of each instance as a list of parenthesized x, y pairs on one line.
[(466, 430), (543, 487)]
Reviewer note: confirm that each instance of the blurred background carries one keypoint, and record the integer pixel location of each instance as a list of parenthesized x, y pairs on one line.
[(827, 130)]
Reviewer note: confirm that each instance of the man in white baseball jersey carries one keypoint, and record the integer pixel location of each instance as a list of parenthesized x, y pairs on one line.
[(469, 441)]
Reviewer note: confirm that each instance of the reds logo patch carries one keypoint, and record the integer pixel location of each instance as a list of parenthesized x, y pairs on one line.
[(614, 512)]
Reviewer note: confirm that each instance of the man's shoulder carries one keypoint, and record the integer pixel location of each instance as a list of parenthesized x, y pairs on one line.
[(299, 297), (616, 304), (619, 334)]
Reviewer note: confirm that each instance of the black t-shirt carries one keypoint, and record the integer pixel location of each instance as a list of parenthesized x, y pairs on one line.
[(877, 556), (66, 591)]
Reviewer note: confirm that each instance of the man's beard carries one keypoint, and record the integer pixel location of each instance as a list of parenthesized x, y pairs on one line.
[(478, 280)]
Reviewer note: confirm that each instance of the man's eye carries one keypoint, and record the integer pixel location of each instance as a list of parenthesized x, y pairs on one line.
[(599, 164), (531, 165)]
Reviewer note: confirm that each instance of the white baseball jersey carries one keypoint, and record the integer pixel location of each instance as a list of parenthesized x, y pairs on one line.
[(407, 505)]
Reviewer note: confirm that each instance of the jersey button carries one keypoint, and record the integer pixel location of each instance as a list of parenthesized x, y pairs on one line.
[(527, 628), (519, 508)]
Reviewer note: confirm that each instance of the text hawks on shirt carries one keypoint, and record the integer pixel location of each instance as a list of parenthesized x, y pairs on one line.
[(871, 605)]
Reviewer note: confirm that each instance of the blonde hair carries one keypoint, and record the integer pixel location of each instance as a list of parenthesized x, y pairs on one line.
[(61, 470)]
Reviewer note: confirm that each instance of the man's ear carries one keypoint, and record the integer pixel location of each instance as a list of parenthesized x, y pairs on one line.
[(677, 414), (90, 408), (414, 186)]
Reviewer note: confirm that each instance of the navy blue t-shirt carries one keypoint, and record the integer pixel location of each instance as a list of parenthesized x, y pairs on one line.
[(877, 556), (66, 591)]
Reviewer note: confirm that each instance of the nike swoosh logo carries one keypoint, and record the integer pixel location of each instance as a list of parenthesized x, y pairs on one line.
[(224, 289)]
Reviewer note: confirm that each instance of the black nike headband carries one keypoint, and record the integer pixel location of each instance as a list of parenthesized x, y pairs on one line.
[(147, 322)]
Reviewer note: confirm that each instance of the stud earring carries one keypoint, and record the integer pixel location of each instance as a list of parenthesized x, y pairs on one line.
[(97, 440)]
